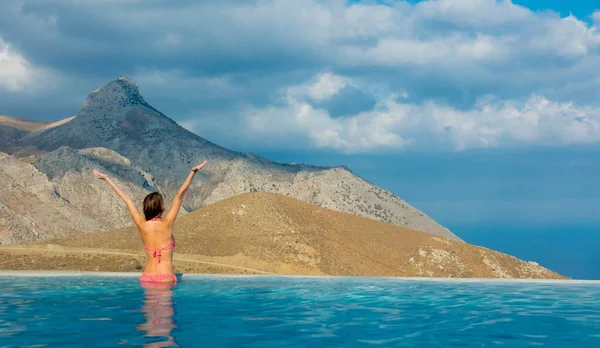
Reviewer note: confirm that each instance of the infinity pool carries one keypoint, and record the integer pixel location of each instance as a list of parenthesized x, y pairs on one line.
[(214, 311)]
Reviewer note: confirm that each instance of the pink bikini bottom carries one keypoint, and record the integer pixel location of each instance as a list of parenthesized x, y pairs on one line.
[(158, 278)]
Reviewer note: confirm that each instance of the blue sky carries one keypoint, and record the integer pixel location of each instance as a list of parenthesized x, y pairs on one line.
[(473, 110), (579, 8)]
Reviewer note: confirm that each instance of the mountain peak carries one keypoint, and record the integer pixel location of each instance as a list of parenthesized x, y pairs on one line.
[(117, 118), (122, 91)]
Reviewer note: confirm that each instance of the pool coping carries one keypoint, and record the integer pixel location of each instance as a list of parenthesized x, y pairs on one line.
[(9, 273)]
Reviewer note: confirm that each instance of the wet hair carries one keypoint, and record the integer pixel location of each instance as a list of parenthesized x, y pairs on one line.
[(153, 205)]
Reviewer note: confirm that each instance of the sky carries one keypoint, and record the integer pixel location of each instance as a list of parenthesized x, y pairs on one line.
[(476, 111)]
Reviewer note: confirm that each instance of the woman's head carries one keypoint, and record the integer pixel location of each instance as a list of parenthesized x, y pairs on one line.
[(153, 205)]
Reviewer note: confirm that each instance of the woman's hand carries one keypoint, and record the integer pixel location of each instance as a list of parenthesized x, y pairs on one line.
[(100, 175), (197, 168)]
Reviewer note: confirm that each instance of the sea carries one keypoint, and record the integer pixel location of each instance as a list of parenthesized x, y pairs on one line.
[(571, 249)]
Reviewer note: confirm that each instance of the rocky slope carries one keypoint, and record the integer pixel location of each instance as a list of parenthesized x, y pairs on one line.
[(273, 233), (31, 207), (119, 131)]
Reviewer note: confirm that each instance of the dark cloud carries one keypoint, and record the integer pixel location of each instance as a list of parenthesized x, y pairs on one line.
[(195, 59)]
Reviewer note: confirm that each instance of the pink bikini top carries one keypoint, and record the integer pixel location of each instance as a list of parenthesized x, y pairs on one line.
[(157, 252)]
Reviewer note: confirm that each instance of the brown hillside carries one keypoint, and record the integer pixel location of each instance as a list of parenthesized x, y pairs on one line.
[(278, 234)]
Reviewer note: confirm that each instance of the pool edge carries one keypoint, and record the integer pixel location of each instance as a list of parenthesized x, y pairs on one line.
[(9, 273)]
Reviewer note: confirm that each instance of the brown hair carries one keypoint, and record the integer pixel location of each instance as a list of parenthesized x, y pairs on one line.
[(153, 205)]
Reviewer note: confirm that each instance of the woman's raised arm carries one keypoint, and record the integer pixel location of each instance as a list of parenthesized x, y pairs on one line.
[(176, 205), (138, 219)]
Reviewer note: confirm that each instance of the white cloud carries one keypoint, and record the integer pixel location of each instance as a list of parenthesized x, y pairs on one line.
[(455, 50), (18, 75), (15, 71), (396, 125), (568, 37), (596, 17), (325, 86)]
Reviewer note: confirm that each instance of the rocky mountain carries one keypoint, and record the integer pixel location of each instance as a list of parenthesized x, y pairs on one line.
[(42, 202), (117, 131), (31, 207), (271, 233)]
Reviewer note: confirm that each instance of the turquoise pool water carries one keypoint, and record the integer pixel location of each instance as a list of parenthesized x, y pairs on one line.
[(211, 311)]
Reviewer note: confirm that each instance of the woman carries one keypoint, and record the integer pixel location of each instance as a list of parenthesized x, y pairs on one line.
[(156, 231)]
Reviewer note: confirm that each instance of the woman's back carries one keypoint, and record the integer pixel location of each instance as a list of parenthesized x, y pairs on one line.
[(157, 236), (155, 233)]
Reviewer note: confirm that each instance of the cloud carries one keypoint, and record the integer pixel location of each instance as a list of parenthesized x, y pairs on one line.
[(398, 74), (394, 124), (326, 86), (15, 71)]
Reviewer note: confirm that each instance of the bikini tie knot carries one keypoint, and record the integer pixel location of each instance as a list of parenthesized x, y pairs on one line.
[(157, 254)]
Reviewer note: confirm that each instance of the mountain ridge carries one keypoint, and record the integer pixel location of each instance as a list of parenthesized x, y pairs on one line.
[(117, 118)]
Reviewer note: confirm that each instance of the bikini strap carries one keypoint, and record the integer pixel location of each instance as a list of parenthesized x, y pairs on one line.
[(157, 252)]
